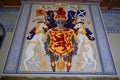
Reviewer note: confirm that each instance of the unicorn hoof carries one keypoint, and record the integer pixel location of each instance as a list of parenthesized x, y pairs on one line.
[(45, 69), (38, 69), (93, 71), (82, 69), (27, 71), (76, 70)]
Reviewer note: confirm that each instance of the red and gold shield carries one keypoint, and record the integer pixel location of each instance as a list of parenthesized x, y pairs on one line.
[(60, 41)]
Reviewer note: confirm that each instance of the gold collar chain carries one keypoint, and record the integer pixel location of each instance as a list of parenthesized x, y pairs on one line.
[(39, 31), (81, 32)]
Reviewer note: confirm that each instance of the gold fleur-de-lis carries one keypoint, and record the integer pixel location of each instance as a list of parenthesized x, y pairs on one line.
[(43, 6), (88, 22), (78, 7)]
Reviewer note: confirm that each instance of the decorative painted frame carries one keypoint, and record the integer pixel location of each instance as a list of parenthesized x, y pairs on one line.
[(14, 55), (111, 18)]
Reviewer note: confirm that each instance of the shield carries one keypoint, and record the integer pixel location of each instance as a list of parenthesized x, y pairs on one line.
[(60, 41)]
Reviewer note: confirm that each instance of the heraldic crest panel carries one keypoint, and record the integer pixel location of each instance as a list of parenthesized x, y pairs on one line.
[(61, 38)]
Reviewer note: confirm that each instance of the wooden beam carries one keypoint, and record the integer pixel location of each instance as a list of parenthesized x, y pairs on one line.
[(1, 4), (111, 3)]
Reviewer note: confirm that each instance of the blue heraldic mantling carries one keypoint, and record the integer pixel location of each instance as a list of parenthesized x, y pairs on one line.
[(71, 19), (50, 18), (32, 33), (89, 33), (52, 23)]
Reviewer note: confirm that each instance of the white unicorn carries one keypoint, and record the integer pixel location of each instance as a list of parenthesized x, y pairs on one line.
[(32, 47), (85, 47)]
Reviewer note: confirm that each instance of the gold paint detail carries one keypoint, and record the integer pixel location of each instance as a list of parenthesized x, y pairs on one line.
[(61, 65), (37, 31), (78, 63), (81, 32), (33, 42), (42, 61), (76, 39), (93, 71), (27, 71)]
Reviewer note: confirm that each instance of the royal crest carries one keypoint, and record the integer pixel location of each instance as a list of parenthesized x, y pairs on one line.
[(60, 41)]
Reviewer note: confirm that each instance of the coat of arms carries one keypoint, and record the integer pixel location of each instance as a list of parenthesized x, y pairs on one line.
[(60, 41), (60, 36)]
